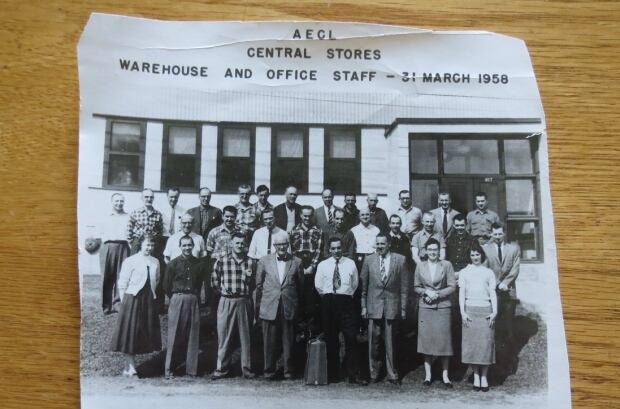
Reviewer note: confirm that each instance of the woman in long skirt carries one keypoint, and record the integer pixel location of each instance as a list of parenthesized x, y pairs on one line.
[(137, 328), (478, 303), (434, 283)]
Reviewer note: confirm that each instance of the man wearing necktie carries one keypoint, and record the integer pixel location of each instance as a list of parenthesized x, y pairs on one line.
[(444, 215), (504, 259), (324, 215), (263, 240), (279, 291), (385, 280), (336, 281)]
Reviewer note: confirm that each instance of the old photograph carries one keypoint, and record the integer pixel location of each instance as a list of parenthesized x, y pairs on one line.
[(314, 214)]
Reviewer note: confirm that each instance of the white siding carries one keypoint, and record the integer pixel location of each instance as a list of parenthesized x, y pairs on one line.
[(316, 159), (152, 155), (375, 160), (262, 162), (208, 157)]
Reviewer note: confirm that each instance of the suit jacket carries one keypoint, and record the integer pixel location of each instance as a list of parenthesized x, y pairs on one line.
[(389, 299), (270, 293), (321, 220), (508, 270), (280, 216), (379, 218), (444, 283), (438, 215), (213, 214)]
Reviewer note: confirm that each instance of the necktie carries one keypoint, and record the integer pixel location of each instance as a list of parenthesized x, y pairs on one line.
[(269, 243), (445, 222), (499, 253), (382, 270), (171, 229), (331, 217), (336, 280)]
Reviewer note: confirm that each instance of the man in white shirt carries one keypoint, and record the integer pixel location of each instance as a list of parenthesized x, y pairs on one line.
[(336, 281), (173, 246), (114, 251), (410, 216), (365, 234), (263, 240), (172, 213)]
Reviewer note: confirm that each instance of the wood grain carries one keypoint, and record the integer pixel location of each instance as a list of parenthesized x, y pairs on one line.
[(576, 55)]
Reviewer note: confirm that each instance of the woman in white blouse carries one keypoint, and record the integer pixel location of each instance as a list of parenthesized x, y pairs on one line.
[(478, 304), (137, 328)]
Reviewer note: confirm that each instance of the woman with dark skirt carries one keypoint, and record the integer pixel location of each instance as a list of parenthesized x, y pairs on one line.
[(478, 303), (434, 283), (137, 328)]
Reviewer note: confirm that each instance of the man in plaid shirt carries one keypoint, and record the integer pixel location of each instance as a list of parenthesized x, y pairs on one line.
[(143, 221), (219, 239), (234, 279), (247, 218), (306, 243)]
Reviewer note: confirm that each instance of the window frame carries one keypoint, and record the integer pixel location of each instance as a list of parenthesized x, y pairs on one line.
[(221, 159), (502, 177), (276, 164), (329, 162), (108, 152), (165, 155)]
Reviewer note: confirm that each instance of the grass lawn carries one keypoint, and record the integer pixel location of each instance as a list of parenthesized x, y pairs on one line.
[(100, 369)]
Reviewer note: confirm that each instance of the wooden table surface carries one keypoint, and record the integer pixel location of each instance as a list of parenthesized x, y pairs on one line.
[(576, 56)]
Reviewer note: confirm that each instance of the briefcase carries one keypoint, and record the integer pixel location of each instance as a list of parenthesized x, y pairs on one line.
[(316, 363)]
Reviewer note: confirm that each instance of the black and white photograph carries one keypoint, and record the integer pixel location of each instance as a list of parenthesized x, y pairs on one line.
[(314, 214)]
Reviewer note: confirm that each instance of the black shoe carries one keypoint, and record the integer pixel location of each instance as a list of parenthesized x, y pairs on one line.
[(448, 384), (218, 375), (426, 383), (476, 388), (374, 380), (249, 375), (484, 388), (394, 381), (358, 381)]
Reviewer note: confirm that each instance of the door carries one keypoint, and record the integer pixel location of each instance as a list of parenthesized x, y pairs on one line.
[(463, 189)]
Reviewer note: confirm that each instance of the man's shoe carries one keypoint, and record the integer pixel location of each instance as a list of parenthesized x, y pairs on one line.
[(394, 381), (358, 381), (249, 375), (218, 375), (374, 380), (288, 376)]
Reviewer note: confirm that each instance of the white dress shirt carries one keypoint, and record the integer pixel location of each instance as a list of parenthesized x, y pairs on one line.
[(166, 212), (258, 245), (114, 227), (173, 250), (365, 238), (324, 278), (281, 264)]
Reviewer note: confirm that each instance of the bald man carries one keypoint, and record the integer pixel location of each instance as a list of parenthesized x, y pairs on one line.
[(378, 217), (288, 214)]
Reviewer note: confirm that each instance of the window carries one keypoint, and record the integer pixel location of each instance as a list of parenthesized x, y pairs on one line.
[(289, 159), (181, 156), (503, 166), (124, 155), (235, 158), (342, 160)]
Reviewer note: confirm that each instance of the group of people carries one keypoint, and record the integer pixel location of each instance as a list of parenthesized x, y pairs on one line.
[(299, 272)]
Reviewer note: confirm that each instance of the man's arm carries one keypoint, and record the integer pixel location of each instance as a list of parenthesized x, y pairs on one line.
[(513, 273), (261, 272), (215, 276), (131, 225), (365, 276), (404, 287)]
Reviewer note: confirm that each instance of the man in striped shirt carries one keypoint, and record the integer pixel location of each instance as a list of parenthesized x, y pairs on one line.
[(234, 279)]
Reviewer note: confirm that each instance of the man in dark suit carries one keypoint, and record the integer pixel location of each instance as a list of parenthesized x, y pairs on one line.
[(324, 215), (504, 259), (206, 217), (378, 217), (288, 214), (384, 299), (279, 290), (351, 212)]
